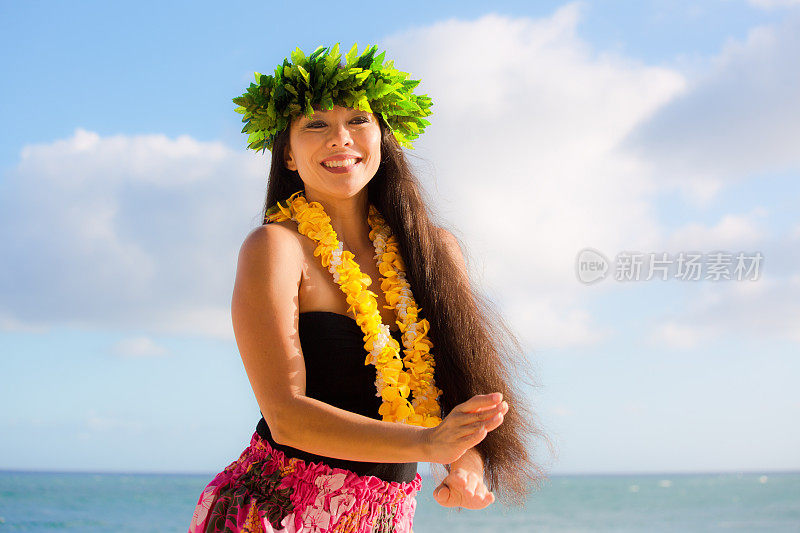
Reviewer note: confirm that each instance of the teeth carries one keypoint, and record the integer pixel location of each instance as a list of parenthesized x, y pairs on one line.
[(342, 163)]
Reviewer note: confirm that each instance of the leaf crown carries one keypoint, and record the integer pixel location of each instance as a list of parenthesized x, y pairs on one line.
[(363, 82)]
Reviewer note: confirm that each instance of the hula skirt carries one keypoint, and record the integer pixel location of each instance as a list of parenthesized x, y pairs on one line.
[(265, 491)]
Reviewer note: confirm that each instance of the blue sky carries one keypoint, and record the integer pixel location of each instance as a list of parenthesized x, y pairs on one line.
[(125, 192)]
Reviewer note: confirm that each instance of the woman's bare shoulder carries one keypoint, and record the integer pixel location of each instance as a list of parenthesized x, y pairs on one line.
[(275, 239)]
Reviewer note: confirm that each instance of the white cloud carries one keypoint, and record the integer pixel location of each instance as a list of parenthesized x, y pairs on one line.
[(526, 122), (680, 336), (731, 232), (126, 231), (541, 147), (548, 323), (138, 347), (740, 118), (765, 308)]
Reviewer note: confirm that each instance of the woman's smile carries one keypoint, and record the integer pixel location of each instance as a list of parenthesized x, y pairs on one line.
[(341, 166)]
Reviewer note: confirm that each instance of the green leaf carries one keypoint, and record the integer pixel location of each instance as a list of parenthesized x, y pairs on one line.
[(320, 49), (383, 89), (289, 87), (363, 104), (332, 59), (298, 57), (304, 75), (365, 60), (351, 55), (318, 75), (376, 63), (361, 76)]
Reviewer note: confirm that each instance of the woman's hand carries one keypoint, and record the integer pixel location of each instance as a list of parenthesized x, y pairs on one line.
[(463, 488), (464, 427)]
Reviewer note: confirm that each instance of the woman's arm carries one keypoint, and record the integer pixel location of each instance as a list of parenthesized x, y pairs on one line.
[(334, 432), (265, 314), (471, 460)]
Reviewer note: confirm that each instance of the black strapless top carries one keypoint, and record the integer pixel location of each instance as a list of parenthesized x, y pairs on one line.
[(334, 353)]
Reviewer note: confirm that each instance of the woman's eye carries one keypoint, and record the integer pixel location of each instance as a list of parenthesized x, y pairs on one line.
[(357, 120)]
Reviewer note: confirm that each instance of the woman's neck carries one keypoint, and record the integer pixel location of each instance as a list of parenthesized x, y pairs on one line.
[(348, 219)]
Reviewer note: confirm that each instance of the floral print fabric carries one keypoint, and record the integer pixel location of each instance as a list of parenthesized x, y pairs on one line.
[(264, 491)]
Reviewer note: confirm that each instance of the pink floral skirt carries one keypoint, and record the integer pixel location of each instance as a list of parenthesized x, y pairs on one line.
[(265, 491)]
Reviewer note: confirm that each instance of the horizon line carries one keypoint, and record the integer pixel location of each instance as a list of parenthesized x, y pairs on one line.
[(425, 475)]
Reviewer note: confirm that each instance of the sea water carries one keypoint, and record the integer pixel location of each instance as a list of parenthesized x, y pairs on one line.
[(85, 502)]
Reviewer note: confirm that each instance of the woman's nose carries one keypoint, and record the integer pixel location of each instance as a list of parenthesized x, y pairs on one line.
[(340, 136)]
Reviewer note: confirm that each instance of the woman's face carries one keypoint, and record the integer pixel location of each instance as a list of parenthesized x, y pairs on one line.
[(345, 137)]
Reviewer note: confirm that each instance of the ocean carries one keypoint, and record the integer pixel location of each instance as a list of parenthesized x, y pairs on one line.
[(85, 502)]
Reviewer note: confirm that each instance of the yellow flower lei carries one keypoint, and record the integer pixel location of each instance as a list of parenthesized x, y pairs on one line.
[(394, 382)]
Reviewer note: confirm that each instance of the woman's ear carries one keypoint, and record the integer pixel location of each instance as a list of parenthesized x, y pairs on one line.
[(289, 159)]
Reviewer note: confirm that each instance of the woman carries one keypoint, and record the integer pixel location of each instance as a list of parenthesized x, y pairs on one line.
[(339, 440)]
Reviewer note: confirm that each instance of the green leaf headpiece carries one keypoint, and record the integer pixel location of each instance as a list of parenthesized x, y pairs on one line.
[(321, 80)]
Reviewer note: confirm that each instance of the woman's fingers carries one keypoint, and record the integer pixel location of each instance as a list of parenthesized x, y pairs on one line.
[(473, 421), (489, 412), (489, 421), (494, 422), (480, 401)]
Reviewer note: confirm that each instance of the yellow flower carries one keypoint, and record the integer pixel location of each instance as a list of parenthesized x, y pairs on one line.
[(365, 302), (390, 394), (404, 409)]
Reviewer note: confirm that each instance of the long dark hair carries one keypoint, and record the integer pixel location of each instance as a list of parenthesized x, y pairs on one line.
[(474, 349)]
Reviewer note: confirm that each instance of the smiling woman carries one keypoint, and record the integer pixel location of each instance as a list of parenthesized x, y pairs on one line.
[(350, 404)]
